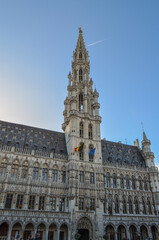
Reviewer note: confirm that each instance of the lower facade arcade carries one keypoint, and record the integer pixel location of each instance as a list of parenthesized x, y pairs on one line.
[(81, 229)]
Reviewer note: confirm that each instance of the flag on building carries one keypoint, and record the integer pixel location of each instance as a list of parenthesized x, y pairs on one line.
[(79, 148), (92, 151)]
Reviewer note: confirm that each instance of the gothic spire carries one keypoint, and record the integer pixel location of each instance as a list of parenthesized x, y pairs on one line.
[(144, 136)]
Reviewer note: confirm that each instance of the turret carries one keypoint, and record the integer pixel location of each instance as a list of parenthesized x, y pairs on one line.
[(146, 150)]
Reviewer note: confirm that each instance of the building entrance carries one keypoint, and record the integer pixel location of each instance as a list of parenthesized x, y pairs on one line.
[(84, 234)]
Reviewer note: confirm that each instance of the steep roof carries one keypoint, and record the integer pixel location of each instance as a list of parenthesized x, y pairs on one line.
[(122, 153), (22, 136)]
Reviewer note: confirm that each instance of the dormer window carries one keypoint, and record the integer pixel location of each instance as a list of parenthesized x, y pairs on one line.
[(80, 75)]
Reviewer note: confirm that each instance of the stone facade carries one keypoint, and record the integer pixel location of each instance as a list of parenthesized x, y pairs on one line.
[(48, 187)]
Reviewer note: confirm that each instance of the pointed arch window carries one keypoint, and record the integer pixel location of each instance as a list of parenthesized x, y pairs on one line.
[(114, 180), (124, 205), (80, 75), (116, 204), (136, 206), (91, 157), (81, 152), (81, 129), (133, 182), (121, 181), (110, 204), (145, 184), (149, 206), (81, 102), (90, 131), (144, 206), (130, 205), (107, 179), (140, 184), (127, 182)]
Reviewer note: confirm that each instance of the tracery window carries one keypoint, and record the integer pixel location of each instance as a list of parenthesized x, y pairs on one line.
[(81, 130), (54, 175), (41, 203), (53, 203), (127, 182), (35, 173), (81, 203), (121, 181), (81, 102), (62, 205), (91, 178), (8, 203), (124, 205), (140, 183), (3, 167), (145, 184), (14, 172), (136, 206), (24, 172), (44, 174), (63, 176), (92, 204), (149, 206), (130, 205), (80, 75), (90, 131), (107, 179), (133, 182), (144, 206), (81, 152), (116, 204), (114, 180), (109, 204), (81, 176), (19, 201), (31, 202)]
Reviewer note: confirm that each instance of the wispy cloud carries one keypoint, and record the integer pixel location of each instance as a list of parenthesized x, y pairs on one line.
[(94, 43)]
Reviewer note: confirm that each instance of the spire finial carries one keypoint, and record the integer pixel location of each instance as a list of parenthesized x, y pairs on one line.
[(80, 30)]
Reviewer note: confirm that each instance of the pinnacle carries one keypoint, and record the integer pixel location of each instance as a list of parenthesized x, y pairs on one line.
[(144, 136)]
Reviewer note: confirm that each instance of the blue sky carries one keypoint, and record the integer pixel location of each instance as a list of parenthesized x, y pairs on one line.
[(37, 39)]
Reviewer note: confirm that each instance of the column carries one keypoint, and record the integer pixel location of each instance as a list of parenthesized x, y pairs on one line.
[(128, 233), (116, 235), (35, 231), (9, 232), (46, 233), (58, 233), (69, 234), (149, 232)]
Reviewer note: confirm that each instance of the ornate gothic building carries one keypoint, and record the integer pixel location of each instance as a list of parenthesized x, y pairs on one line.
[(48, 187)]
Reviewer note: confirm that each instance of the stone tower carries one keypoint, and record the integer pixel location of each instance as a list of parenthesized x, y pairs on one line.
[(81, 114), (82, 127)]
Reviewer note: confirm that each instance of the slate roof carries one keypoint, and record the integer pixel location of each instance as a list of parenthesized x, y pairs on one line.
[(21, 136), (122, 153)]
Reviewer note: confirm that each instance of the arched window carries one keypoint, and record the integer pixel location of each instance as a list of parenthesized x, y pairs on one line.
[(127, 182), (80, 55), (121, 181), (133, 182), (81, 152), (144, 206), (114, 180), (14, 172), (149, 206), (44, 174), (90, 132), (91, 157), (116, 204), (136, 206), (81, 102), (55, 173), (24, 170), (145, 184), (81, 130), (80, 75), (124, 205), (107, 179), (110, 204), (3, 167), (140, 183), (130, 205)]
